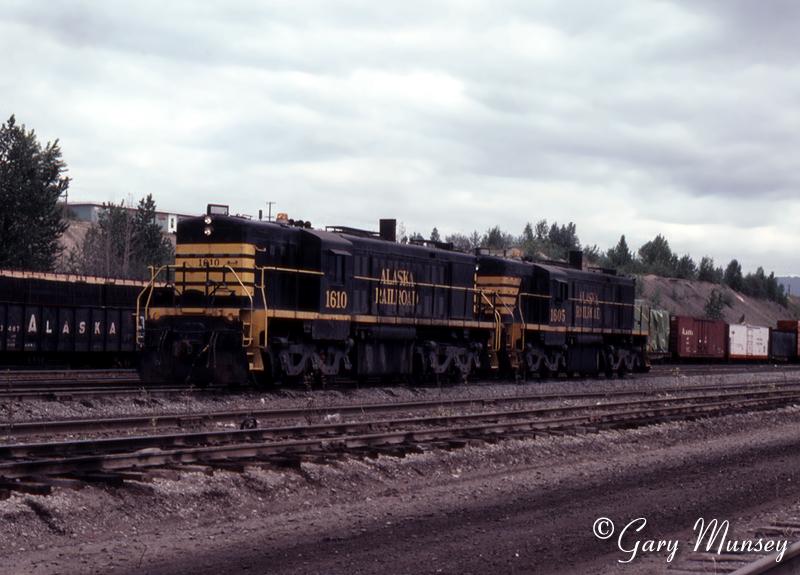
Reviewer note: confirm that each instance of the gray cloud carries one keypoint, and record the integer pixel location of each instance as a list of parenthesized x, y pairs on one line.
[(623, 116)]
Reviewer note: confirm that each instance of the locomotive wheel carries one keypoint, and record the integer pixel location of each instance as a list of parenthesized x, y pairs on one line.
[(609, 366), (544, 372)]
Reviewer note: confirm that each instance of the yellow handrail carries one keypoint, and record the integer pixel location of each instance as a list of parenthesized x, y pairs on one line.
[(149, 286), (497, 321)]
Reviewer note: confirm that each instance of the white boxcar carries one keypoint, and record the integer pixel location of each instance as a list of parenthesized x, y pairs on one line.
[(748, 342)]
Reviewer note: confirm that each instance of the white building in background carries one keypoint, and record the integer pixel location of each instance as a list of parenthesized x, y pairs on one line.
[(90, 212)]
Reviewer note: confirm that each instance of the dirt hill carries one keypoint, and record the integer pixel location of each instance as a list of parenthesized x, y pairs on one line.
[(683, 297)]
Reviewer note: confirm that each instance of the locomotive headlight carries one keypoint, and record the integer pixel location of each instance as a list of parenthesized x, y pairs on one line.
[(207, 220), (207, 230)]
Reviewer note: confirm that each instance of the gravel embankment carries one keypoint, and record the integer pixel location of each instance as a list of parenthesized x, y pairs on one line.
[(522, 506)]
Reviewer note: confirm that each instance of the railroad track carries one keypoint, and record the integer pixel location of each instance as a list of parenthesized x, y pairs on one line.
[(34, 375), (789, 564), (76, 390), (72, 384), (240, 416), (690, 369), (748, 563), (37, 466)]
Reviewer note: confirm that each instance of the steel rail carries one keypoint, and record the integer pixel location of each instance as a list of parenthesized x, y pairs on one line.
[(71, 393), (33, 375), (46, 384), (326, 444), (626, 408), (27, 428), (769, 565)]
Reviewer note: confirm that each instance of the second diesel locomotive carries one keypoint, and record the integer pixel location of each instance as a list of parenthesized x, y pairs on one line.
[(275, 301)]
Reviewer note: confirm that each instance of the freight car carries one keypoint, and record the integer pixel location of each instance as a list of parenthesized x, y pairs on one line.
[(66, 320), (654, 324), (695, 339), (277, 301), (784, 342)]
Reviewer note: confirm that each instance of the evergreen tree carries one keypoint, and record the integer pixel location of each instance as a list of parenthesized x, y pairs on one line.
[(435, 237), (620, 256), (733, 275), (686, 268), (714, 305), (560, 240), (527, 234), (151, 248), (497, 239), (541, 230), (31, 182), (706, 272), (592, 253), (528, 242), (657, 257)]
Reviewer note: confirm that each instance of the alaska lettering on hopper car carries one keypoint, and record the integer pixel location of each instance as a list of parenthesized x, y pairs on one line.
[(65, 330)]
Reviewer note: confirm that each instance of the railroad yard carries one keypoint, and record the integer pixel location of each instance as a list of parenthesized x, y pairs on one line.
[(490, 477), (422, 288)]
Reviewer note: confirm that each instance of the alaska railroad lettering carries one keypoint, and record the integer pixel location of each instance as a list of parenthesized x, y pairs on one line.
[(397, 288), (588, 306)]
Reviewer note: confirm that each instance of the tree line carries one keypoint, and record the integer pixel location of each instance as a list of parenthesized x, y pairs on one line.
[(554, 241), (122, 243)]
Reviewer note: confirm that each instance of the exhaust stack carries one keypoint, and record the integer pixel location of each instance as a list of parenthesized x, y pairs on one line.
[(576, 259), (388, 230)]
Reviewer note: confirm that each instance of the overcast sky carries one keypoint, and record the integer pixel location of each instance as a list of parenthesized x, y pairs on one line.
[(633, 117)]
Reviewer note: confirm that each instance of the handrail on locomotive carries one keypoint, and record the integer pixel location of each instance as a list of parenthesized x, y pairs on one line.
[(247, 339)]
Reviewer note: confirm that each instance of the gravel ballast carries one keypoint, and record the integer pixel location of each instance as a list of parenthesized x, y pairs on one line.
[(523, 506)]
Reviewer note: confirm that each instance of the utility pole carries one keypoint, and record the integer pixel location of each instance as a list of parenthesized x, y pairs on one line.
[(269, 211)]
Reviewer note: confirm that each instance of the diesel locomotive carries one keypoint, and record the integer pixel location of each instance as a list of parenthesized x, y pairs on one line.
[(279, 301)]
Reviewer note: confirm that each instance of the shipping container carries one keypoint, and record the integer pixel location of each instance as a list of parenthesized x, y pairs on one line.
[(692, 338), (783, 345), (748, 342)]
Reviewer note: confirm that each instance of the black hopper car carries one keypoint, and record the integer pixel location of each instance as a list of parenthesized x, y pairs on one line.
[(67, 320), (277, 301)]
